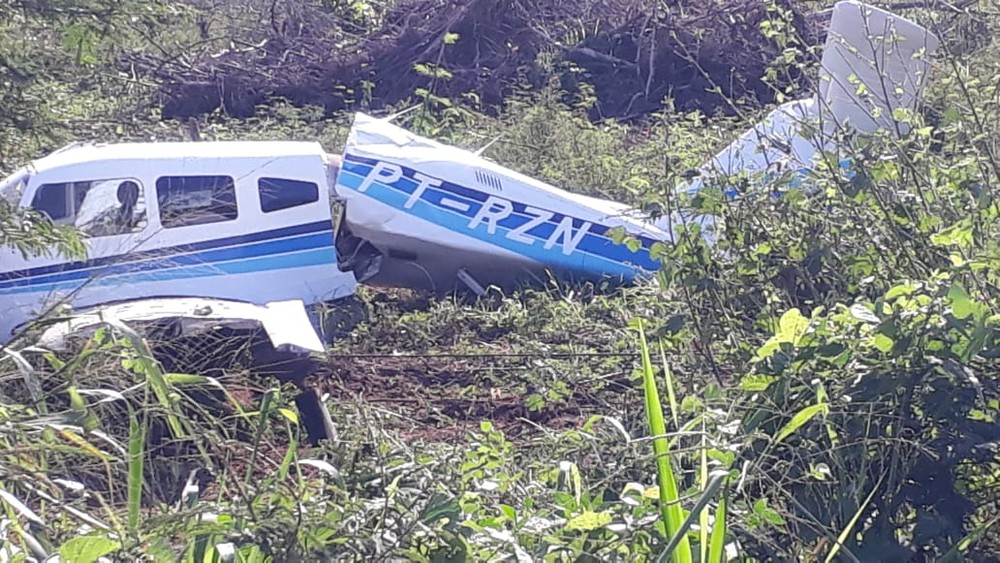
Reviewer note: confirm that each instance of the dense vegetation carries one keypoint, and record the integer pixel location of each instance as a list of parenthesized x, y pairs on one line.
[(826, 391)]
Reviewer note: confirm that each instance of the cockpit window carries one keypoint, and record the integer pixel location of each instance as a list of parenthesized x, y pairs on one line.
[(12, 188), (98, 207)]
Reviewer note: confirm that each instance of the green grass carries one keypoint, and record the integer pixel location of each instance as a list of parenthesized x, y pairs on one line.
[(670, 508)]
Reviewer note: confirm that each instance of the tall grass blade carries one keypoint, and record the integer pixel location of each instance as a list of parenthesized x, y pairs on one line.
[(670, 508), (85, 445), (20, 507), (954, 555), (286, 463), (31, 379), (136, 457), (679, 537), (146, 365), (716, 550), (800, 419), (12, 507), (668, 377), (703, 515), (265, 412), (184, 379), (842, 538)]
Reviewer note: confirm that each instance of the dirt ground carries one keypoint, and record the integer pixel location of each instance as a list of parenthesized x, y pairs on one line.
[(441, 398), (702, 55)]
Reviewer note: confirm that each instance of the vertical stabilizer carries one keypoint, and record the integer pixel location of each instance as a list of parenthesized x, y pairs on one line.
[(873, 63)]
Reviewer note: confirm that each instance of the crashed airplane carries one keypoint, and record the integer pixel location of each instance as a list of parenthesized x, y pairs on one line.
[(178, 230)]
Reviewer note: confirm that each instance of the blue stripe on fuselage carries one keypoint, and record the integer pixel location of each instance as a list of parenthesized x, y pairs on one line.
[(594, 252), (300, 259), (363, 165), (243, 249)]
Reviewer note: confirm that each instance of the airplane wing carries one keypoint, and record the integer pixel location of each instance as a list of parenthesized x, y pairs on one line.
[(286, 323)]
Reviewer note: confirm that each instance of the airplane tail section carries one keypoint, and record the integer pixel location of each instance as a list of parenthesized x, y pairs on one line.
[(873, 64)]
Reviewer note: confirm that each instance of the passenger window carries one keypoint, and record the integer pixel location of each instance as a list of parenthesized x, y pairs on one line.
[(98, 208), (280, 193), (195, 200)]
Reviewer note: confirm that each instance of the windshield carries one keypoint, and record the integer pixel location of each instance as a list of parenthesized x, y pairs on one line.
[(12, 187)]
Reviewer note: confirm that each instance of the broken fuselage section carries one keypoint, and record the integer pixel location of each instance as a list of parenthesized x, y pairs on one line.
[(421, 214)]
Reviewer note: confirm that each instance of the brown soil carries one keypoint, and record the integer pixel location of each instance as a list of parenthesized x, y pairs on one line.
[(491, 49), (442, 398)]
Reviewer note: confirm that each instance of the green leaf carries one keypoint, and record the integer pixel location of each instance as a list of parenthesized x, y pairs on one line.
[(899, 290), (766, 513), (291, 415), (962, 305), (189, 379), (441, 507), (85, 549), (959, 234), (509, 512), (668, 377), (76, 401), (286, 462), (589, 520), (564, 500), (535, 402), (755, 383), (819, 471), (883, 343), (136, 458), (716, 550), (691, 404), (800, 419), (976, 342), (792, 326)]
